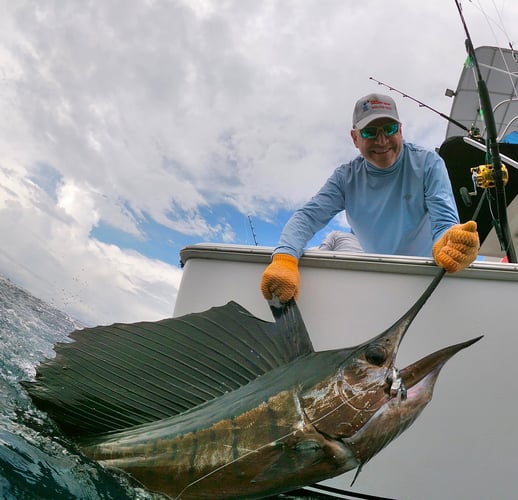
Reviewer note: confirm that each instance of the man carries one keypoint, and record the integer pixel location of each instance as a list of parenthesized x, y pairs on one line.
[(341, 242), (397, 197)]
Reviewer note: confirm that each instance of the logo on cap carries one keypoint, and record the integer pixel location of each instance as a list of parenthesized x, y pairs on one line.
[(373, 106), (376, 104)]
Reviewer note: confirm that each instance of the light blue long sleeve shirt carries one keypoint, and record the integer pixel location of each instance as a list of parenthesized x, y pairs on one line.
[(400, 210)]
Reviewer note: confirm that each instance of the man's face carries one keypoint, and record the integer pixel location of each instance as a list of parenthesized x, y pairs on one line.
[(382, 151)]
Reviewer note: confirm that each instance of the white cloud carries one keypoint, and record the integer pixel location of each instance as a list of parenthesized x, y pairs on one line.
[(178, 106), (47, 248), (78, 204)]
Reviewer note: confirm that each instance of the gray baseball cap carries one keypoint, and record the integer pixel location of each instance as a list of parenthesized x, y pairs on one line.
[(371, 107)]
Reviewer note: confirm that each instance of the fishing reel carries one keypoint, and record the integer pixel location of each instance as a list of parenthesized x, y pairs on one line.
[(483, 178)]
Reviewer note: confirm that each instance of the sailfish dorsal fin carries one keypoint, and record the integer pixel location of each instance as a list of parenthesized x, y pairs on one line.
[(113, 377)]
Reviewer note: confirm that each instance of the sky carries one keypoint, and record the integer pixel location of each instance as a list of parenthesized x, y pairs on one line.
[(130, 130)]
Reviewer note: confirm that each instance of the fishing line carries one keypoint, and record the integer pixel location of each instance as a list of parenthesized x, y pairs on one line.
[(271, 443), (499, 24), (501, 222), (251, 452), (497, 43)]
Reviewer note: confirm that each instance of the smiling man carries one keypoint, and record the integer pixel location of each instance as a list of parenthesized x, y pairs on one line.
[(397, 197)]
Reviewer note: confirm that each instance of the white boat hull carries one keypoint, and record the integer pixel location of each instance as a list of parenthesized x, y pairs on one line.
[(464, 444)]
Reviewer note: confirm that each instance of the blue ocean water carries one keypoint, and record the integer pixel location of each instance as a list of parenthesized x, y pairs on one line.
[(36, 461)]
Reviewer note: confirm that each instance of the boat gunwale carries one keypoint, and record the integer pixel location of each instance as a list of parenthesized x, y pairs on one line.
[(493, 270)]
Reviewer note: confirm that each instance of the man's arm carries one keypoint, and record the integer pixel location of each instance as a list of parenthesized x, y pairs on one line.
[(281, 277), (312, 217), (439, 198)]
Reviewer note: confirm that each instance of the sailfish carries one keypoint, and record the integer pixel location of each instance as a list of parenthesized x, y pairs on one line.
[(221, 404)]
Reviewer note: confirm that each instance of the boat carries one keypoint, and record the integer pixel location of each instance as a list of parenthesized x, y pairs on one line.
[(464, 444), (463, 152), (138, 407)]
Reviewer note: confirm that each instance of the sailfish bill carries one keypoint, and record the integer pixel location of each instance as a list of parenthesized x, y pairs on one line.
[(221, 404)]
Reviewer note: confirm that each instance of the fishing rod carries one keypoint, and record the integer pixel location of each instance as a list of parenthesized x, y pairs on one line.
[(471, 131), (252, 229), (474, 133), (500, 222), (331, 490)]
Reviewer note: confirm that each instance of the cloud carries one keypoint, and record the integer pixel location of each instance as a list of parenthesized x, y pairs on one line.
[(177, 110), (47, 248)]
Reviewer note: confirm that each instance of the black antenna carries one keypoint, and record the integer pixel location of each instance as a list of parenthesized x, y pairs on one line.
[(252, 229), (500, 221)]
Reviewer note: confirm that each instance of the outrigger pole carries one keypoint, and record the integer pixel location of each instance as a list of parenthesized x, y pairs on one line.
[(500, 221)]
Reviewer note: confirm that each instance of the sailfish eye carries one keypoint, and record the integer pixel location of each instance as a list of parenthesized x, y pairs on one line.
[(375, 355)]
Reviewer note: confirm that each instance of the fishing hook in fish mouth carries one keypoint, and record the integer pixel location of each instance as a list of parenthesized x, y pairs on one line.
[(396, 384)]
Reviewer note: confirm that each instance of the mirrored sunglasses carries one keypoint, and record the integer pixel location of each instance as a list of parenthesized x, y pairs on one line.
[(389, 129)]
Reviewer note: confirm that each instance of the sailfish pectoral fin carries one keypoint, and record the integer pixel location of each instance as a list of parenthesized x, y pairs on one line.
[(314, 453), (305, 454)]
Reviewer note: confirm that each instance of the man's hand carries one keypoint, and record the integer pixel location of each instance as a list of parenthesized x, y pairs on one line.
[(458, 247), (281, 278)]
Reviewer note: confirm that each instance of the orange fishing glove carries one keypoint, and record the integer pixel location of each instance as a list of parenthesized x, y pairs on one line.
[(457, 248), (281, 278)]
